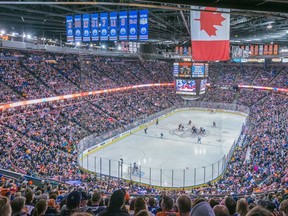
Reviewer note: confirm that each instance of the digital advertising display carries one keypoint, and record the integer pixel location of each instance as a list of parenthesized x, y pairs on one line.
[(198, 70), (184, 86), (203, 86)]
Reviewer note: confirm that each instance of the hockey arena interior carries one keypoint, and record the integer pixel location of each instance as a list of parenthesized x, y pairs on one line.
[(144, 108)]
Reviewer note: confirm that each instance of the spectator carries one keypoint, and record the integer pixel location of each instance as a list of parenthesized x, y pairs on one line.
[(40, 208), (259, 211), (284, 207), (116, 204), (139, 205), (72, 204), (18, 206), (5, 207), (231, 206), (96, 198), (220, 210), (184, 205), (242, 207), (167, 207), (202, 208)]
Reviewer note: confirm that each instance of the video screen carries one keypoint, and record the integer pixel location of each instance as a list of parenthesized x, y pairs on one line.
[(175, 69), (184, 70), (203, 86), (185, 86)]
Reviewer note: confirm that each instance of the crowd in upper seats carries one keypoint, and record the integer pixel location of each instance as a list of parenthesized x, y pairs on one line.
[(41, 139)]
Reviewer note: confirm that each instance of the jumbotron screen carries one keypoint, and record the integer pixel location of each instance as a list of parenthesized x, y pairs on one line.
[(182, 69), (184, 86)]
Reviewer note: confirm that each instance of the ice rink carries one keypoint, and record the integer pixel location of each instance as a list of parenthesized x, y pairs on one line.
[(192, 163)]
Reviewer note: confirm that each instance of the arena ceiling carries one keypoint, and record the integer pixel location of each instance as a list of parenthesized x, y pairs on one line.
[(251, 20)]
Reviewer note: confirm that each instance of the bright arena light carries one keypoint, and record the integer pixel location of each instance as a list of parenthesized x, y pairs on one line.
[(77, 43), (103, 46), (2, 32), (28, 36)]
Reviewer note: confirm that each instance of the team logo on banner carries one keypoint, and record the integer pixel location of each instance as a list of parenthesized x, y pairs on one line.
[(94, 27), (86, 27), (69, 29), (133, 25), (210, 29), (123, 25), (78, 28), (143, 24), (113, 26), (104, 26)]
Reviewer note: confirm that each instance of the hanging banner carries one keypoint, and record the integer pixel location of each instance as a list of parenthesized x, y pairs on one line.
[(69, 28), (86, 27), (189, 51), (104, 26), (143, 25), (181, 51), (133, 25), (123, 25), (260, 49), (275, 52), (270, 51), (94, 27), (77, 28), (210, 28), (113, 26), (176, 49), (252, 50), (266, 49), (256, 50), (185, 51)]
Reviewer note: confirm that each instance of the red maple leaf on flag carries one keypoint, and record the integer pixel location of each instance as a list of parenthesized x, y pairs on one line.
[(209, 19)]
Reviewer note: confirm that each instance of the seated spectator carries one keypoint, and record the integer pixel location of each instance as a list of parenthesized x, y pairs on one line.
[(202, 208), (284, 207), (116, 205), (167, 207), (230, 203), (139, 205), (220, 210), (96, 198), (72, 204), (242, 207), (5, 207), (41, 207), (259, 211), (184, 205), (18, 206)]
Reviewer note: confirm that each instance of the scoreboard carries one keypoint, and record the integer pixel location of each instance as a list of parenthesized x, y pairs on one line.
[(190, 77)]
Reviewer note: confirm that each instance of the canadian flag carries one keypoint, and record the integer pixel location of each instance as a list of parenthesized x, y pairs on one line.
[(210, 30)]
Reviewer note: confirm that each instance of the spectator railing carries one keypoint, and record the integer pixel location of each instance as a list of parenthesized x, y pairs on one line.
[(184, 177)]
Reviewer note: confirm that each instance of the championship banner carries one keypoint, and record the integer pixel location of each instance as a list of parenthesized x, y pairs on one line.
[(123, 25), (104, 26), (133, 25), (113, 26), (69, 28), (78, 28), (86, 27), (143, 25), (210, 29), (94, 27)]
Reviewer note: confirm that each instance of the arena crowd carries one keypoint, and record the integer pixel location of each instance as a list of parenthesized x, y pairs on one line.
[(40, 140)]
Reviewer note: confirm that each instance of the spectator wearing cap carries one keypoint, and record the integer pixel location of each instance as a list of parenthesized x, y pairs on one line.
[(202, 208), (5, 207), (284, 207), (167, 207), (96, 198), (220, 210), (83, 203), (72, 204), (116, 204), (184, 205), (18, 206)]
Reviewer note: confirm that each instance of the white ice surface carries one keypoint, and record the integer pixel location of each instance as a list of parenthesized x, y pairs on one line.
[(177, 151)]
